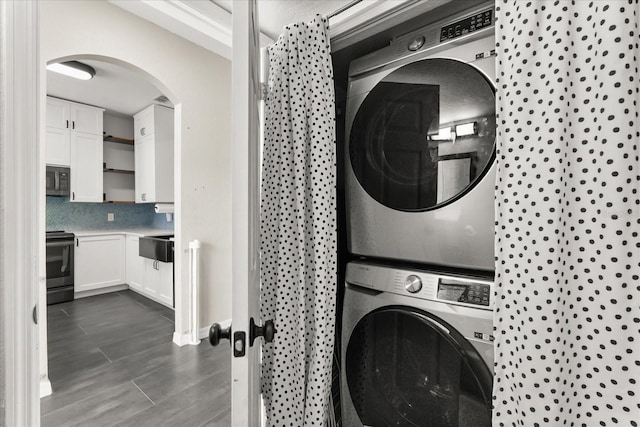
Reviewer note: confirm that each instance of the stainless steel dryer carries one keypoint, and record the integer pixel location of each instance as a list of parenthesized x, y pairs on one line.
[(417, 348), (420, 138)]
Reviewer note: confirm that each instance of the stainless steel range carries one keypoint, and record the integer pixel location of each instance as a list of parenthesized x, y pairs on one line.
[(60, 282)]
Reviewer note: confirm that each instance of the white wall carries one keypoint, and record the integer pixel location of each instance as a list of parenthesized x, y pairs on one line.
[(198, 84), (118, 125)]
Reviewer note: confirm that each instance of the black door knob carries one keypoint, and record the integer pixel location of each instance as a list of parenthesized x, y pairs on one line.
[(217, 333), (267, 331)]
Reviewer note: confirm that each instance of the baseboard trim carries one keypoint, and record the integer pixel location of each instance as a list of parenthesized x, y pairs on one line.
[(184, 339), (45, 387), (100, 291)]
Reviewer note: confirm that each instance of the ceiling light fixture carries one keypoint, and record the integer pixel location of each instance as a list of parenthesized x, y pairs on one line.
[(74, 69)]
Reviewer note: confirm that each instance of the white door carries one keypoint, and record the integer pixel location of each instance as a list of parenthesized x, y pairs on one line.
[(245, 403)]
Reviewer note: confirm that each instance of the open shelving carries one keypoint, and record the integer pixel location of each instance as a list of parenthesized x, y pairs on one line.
[(118, 169), (117, 139)]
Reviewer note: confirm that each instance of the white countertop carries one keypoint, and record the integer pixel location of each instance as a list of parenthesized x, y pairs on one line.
[(127, 231)]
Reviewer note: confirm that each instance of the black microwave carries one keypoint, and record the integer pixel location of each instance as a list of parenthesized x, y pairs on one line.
[(58, 181)]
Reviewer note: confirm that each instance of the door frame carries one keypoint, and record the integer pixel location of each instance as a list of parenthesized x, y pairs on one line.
[(245, 184), (20, 185)]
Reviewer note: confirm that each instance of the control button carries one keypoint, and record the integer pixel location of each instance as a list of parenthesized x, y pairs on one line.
[(413, 284), (416, 43)]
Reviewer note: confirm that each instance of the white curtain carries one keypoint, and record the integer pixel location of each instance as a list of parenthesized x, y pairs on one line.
[(568, 215), (298, 227)]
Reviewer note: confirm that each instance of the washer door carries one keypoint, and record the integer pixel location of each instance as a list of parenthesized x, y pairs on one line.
[(424, 135), (405, 367)]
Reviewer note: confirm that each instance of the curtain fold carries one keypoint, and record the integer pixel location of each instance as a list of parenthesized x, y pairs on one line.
[(298, 226), (567, 349)]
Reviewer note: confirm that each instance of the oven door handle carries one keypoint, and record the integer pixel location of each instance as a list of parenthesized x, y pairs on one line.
[(59, 244), (56, 180)]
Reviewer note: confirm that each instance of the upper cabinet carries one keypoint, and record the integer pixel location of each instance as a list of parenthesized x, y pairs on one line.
[(74, 139), (58, 145), (153, 129)]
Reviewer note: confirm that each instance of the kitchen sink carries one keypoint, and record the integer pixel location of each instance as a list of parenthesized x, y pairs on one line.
[(158, 248)]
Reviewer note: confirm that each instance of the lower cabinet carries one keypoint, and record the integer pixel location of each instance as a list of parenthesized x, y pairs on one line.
[(159, 281), (148, 277), (99, 262), (108, 260), (135, 265)]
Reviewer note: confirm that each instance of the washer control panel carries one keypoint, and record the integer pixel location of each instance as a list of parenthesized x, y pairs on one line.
[(469, 291), (465, 292), (413, 284)]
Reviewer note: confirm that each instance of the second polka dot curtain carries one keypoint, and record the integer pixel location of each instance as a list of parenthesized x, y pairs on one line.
[(568, 215), (298, 227)]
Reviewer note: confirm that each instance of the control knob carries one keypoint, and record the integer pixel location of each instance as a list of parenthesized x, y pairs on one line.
[(413, 284), (416, 43)]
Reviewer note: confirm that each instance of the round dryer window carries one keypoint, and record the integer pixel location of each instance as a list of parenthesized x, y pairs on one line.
[(424, 135), (405, 367)]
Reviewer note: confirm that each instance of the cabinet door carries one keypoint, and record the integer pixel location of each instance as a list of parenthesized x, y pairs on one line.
[(86, 167), (86, 120), (57, 139), (152, 278), (145, 170), (134, 265), (165, 291), (99, 262), (143, 122)]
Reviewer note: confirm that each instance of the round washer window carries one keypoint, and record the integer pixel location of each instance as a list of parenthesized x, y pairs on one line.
[(424, 135), (403, 369)]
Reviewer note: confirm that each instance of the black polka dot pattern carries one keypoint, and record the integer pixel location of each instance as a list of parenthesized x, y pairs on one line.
[(298, 227), (567, 318)]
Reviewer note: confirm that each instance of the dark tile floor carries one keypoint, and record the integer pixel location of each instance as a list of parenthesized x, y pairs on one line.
[(112, 362)]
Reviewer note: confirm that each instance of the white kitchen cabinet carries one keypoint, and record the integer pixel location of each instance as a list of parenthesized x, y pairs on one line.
[(58, 146), (165, 285), (86, 168), (135, 265), (153, 129), (148, 277), (158, 281), (99, 262), (74, 139)]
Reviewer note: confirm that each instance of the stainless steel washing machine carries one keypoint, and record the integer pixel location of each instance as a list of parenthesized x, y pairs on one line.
[(420, 146), (417, 348)]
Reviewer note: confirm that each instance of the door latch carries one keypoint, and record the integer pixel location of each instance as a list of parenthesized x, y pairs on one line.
[(239, 344), (217, 333)]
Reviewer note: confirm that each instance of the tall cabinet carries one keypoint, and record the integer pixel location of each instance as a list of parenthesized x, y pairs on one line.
[(153, 129), (74, 139)]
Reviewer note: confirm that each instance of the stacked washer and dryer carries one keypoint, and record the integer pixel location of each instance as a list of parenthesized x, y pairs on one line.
[(417, 339)]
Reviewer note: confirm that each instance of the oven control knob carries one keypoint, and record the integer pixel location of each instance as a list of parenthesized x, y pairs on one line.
[(413, 284)]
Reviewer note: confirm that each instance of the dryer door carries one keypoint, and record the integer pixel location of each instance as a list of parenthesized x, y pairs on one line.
[(424, 135), (405, 367)]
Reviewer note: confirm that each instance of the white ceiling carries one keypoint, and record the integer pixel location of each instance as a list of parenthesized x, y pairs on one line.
[(274, 15), (125, 92), (115, 88), (208, 24)]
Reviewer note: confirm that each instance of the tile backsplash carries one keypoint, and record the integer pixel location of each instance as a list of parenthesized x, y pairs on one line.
[(64, 215)]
